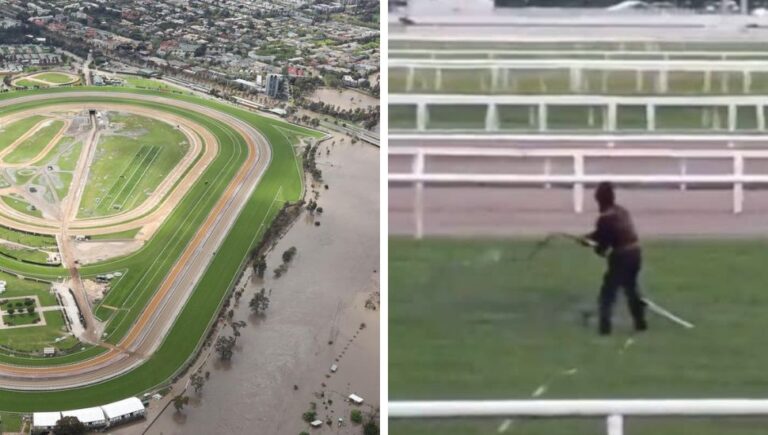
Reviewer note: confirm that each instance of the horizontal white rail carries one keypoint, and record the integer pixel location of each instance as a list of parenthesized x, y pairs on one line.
[(606, 54), (587, 100), (607, 104), (740, 66), (613, 411), (578, 408), (419, 176), (575, 153), (522, 179), (583, 137)]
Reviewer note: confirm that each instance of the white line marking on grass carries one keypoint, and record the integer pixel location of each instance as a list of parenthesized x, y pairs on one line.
[(506, 424)]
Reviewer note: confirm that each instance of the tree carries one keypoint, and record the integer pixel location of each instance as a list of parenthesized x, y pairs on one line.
[(11, 311), (236, 328), (69, 426), (289, 254), (260, 302), (180, 401), (30, 309), (356, 416), (225, 346), (197, 382), (260, 266)]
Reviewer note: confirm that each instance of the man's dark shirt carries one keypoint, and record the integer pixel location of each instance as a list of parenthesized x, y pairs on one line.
[(614, 229)]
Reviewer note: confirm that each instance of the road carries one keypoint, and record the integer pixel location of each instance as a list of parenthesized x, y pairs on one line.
[(454, 210), (147, 333)]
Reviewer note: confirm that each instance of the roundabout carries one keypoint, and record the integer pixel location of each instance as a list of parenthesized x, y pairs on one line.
[(137, 209)]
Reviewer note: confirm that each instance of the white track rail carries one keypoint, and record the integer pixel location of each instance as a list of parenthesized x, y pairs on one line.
[(419, 175), (613, 411)]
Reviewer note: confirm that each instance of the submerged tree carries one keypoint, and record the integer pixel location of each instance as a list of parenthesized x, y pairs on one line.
[(260, 302)]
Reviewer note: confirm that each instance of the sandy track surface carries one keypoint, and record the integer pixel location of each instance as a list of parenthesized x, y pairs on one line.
[(147, 333)]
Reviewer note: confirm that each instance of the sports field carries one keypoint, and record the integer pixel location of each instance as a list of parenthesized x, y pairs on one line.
[(144, 270), (470, 319)]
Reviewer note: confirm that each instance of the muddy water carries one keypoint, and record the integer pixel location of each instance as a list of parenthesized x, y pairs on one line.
[(316, 317), (346, 98)]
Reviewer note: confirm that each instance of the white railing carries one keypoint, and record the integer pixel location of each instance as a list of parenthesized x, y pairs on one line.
[(745, 66), (617, 54), (613, 411), (419, 176), (608, 103)]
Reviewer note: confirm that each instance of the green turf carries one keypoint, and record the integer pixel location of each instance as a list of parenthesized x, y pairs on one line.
[(24, 254), (146, 268), (130, 164), (27, 239), (54, 77), (21, 319), (35, 144), (30, 84), (21, 206), (35, 338), (14, 130), (469, 319), (122, 235)]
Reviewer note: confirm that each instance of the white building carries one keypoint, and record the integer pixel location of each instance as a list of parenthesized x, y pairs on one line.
[(124, 410), (44, 421), (92, 418)]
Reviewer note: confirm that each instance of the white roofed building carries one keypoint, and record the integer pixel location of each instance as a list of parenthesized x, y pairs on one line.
[(124, 410), (90, 417), (43, 422)]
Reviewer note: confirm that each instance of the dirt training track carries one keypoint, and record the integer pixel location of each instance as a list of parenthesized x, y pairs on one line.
[(149, 330)]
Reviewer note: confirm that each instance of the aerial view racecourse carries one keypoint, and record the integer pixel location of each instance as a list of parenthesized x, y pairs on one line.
[(189, 217), (578, 218)]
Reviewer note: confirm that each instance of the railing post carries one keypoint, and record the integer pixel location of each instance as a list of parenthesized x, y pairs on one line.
[(418, 196), (491, 118), (422, 116), (612, 115), (747, 81), (615, 424), (683, 171), (732, 117), (650, 116), (738, 187), (494, 79), (438, 79), (409, 79), (760, 111), (542, 116), (578, 187), (547, 171)]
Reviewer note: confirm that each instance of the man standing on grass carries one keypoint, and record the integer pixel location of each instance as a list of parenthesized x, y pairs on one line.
[(615, 232)]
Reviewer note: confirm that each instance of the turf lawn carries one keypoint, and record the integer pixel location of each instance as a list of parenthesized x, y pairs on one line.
[(54, 77), (35, 144), (13, 131), (471, 320), (130, 163)]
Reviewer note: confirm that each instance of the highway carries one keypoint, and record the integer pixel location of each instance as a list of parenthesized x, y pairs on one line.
[(147, 333)]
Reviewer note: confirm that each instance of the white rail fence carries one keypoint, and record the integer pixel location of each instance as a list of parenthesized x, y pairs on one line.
[(420, 175), (576, 69), (608, 104), (613, 411), (618, 54)]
